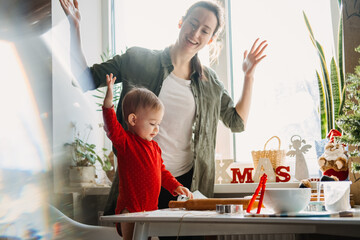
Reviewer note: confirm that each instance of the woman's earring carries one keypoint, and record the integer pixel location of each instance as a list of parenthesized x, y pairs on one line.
[(180, 23)]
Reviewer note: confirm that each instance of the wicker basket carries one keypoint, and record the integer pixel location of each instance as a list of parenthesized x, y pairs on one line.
[(277, 157)]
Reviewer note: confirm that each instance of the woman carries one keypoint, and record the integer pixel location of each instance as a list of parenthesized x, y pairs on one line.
[(193, 96)]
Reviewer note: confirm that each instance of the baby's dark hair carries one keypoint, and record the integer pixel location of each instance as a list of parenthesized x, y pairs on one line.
[(140, 98)]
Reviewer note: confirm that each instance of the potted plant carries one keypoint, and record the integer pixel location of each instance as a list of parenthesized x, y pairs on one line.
[(84, 156), (331, 85), (349, 122)]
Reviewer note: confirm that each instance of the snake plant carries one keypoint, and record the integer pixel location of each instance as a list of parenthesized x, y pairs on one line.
[(331, 85)]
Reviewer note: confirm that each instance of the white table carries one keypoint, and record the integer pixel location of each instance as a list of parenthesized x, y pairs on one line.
[(176, 222)]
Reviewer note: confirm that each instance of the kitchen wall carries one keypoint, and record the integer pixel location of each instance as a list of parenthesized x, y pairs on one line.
[(351, 13)]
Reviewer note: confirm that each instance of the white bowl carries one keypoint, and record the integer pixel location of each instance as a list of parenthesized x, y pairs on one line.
[(286, 200)]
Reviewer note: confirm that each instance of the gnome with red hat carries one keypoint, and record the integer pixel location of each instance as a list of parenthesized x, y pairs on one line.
[(334, 161)]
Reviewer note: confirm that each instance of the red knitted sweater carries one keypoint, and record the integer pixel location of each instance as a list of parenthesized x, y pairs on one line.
[(140, 168)]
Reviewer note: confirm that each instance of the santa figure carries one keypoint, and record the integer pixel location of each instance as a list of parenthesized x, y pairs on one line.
[(334, 161)]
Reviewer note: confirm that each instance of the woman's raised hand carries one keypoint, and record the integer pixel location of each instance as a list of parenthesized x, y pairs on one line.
[(252, 58), (71, 10)]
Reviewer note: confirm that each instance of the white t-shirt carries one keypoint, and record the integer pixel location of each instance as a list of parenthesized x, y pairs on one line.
[(174, 137)]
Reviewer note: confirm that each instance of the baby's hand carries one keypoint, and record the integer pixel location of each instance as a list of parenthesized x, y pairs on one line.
[(110, 80), (180, 190)]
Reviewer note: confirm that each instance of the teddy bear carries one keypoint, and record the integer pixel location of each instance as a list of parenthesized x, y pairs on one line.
[(334, 160)]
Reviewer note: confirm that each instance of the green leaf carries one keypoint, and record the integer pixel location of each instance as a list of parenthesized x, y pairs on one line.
[(320, 52), (96, 96), (91, 146), (355, 167), (327, 88), (99, 160), (80, 151), (91, 151), (343, 96), (323, 113), (339, 2), (91, 158), (340, 56), (107, 166), (312, 37), (336, 91)]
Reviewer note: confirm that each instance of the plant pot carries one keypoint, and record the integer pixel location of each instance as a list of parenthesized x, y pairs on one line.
[(82, 176)]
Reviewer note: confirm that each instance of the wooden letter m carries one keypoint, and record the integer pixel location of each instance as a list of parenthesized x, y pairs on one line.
[(245, 177)]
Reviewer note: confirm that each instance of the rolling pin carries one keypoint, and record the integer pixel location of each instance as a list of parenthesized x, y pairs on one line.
[(209, 203)]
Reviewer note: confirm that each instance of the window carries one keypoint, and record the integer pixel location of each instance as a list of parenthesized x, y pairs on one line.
[(149, 24), (285, 95)]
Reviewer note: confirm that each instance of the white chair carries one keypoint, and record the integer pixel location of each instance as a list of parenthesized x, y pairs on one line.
[(67, 228)]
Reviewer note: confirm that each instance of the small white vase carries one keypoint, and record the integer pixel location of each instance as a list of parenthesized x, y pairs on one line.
[(82, 176)]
